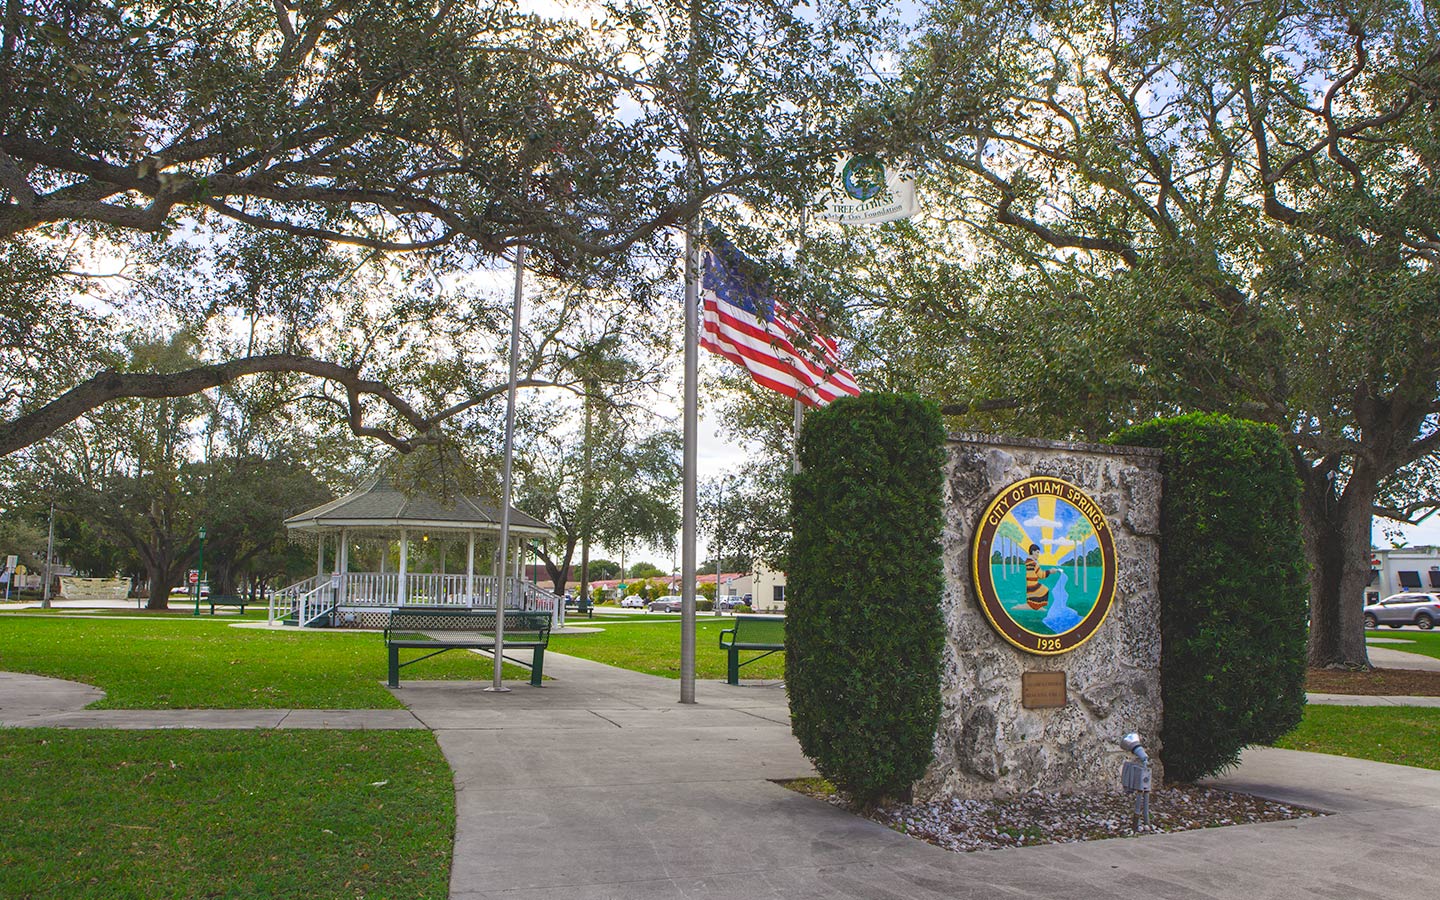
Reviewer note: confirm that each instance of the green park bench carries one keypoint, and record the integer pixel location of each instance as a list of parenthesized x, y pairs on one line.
[(239, 600), (439, 629), (752, 633)]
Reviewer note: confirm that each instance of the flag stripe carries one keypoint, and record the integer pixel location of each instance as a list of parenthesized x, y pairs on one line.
[(742, 323), (766, 338), (777, 378), (752, 348), (755, 347)]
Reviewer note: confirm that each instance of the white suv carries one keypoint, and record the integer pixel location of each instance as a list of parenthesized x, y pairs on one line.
[(1411, 608)]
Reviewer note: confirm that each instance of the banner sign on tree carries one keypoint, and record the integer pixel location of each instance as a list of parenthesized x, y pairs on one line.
[(868, 193)]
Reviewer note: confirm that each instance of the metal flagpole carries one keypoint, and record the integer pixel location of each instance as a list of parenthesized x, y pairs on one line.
[(799, 407), (497, 685), (690, 495), (795, 438)]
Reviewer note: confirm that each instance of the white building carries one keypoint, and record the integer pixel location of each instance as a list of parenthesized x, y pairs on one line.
[(1402, 569), (769, 589)]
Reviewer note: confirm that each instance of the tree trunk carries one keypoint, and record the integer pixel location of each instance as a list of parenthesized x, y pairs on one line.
[(1337, 546), (159, 576), (557, 570)]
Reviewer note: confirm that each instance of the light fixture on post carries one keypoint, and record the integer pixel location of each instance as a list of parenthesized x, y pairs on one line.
[(1135, 778)]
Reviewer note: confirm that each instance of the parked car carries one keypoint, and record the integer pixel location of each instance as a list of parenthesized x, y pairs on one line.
[(633, 601), (1399, 610), (726, 604), (666, 604)]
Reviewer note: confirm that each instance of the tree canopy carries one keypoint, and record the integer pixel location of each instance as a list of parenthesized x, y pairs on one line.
[(317, 140), (1143, 208)]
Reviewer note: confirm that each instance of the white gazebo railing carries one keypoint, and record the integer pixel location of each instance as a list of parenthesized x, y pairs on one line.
[(306, 600)]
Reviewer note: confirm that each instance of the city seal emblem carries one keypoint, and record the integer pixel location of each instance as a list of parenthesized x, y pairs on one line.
[(1043, 564)]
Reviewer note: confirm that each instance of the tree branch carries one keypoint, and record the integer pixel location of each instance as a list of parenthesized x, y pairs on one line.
[(38, 424), (1060, 239)]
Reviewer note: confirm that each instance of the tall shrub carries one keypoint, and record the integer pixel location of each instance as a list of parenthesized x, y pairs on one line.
[(864, 633), (1233, 593)]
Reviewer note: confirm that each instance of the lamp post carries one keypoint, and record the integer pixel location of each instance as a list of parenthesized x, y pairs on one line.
[(200, 570)]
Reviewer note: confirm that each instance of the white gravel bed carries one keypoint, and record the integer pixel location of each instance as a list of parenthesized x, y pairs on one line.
[(1035, 818)]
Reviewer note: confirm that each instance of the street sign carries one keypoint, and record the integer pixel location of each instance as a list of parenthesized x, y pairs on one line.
[(194, 576)]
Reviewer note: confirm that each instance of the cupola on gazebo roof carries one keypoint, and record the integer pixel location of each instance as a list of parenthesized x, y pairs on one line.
[(378, 504)]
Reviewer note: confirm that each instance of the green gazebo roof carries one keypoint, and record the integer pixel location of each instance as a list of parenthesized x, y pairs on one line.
[(378, 504)]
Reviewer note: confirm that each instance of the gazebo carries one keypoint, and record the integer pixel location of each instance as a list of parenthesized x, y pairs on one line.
[(371, 522)]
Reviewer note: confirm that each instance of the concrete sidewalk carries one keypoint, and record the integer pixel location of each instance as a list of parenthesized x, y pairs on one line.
[(30, 701), (601, 785), (1394, 658)]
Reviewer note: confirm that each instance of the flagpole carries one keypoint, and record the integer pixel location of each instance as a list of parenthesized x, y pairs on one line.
[(799, 407), (690, 493), (795, 438), (497, 685)]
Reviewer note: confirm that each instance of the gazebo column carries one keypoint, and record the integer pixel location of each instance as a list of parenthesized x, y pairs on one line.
[(470, 569), (497, 571), (342, 564), (519, 551), (402, 593)]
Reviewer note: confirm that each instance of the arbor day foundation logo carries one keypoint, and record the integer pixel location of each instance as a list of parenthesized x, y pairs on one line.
[(863, 177), (1043, 562)]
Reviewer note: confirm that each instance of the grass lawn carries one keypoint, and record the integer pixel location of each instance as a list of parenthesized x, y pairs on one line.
[(224, 814), (1425, 643), (654, 648), (1408, 736), (165, 663)]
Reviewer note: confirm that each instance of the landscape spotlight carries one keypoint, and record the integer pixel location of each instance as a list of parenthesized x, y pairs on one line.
[(1135, 778), (1131, 742)]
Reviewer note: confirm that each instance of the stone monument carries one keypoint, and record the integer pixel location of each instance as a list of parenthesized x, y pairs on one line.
[(1052, 614)]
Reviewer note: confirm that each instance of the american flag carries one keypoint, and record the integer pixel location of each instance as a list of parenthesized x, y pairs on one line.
[(781, 348)]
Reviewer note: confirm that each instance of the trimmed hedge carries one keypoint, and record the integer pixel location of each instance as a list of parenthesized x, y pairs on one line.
[(1233, 593), (864, 633)]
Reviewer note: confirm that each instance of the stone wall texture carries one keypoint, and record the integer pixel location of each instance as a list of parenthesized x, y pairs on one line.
[(987, 744)]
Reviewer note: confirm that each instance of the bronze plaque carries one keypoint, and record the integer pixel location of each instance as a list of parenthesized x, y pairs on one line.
[(1042, 690)]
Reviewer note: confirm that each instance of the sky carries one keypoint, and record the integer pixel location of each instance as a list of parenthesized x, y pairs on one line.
[(1427, 533)]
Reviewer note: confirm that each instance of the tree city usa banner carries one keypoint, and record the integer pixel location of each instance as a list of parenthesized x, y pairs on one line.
[(868, 193)]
